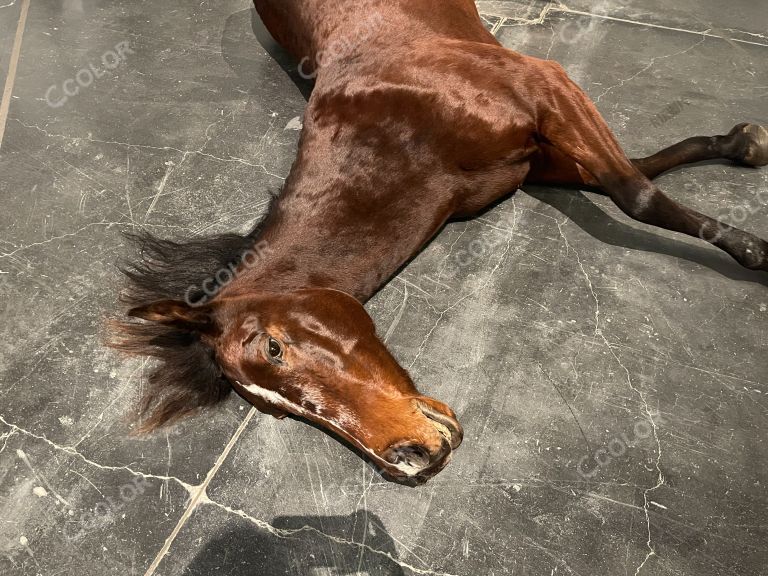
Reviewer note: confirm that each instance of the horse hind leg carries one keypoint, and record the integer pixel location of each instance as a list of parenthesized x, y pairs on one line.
[(745, 144), (571, 123)]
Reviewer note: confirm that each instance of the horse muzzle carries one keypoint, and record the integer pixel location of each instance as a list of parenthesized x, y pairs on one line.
[(415, 462)]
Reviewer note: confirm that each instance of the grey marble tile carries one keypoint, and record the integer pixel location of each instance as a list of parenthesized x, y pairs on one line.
[(73, 177), (63, 514), (743, 19), (557, 328)]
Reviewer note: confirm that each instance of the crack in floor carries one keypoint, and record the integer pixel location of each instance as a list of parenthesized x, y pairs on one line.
[(639, 393), (60, 237), (198, 493), (287, 533), (559, 7), (510, 233), (184, 153), (72, 452), (646, 68)]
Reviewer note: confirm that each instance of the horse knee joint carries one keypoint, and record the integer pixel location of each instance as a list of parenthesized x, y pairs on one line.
[(639, 202), (642, 207)]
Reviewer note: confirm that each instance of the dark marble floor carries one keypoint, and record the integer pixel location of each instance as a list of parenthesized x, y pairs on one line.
[(555, 326)]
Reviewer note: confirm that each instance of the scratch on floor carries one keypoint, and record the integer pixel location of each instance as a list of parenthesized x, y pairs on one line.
[(399, 316), (562, 397), (510, 233), (124, 387), (24, 458), (171, 167)]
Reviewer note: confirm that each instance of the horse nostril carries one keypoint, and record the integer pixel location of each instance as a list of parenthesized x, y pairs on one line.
[(447, 425), (413, 456)]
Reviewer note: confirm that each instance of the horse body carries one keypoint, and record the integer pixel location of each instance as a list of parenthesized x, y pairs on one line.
[(307, 28), (418, 115), (387, 154)]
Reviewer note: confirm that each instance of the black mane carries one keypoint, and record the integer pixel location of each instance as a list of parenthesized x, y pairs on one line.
[(187, 376)]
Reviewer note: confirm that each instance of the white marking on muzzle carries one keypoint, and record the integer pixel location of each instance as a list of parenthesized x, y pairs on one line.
[(272, 397)]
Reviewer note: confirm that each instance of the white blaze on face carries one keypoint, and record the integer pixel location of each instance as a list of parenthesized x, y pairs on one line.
[(345, 419), (275, 399), (272, 397), (314, 398)]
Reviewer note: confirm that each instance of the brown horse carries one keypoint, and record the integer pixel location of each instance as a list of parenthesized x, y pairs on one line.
[(418, 115)]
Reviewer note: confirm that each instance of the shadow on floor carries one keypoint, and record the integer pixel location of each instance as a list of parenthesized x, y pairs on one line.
[(285, 60), (304, 546), (243, 33), (595, 222)]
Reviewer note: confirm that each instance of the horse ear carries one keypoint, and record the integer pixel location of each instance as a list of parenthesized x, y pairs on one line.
[(176, 313)]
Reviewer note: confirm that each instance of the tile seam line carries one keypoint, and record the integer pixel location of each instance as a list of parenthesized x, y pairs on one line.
[(565, 10), (198, 495), (497, 26), (5, 102), (626, 21)]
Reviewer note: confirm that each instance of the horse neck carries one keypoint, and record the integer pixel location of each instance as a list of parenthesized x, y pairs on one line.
[(346, 219)]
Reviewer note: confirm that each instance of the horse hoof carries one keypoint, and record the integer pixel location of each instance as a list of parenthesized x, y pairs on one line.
[(750, 145)]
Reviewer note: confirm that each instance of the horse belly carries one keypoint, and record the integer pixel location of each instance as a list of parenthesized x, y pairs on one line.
[(487, 186)]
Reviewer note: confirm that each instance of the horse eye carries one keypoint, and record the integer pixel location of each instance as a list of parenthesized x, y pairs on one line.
[(274, 350)]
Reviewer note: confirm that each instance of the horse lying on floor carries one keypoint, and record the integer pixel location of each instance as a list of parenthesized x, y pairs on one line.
[(428, 119)]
